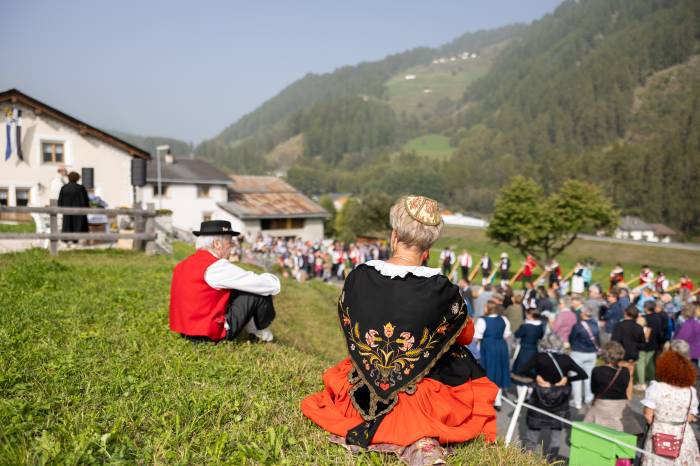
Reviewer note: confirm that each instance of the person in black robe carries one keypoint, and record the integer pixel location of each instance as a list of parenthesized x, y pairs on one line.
[(74, 195)]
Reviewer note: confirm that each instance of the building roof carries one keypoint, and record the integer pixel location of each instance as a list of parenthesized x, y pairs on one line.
[(661, 230), (16, 97), (267, 197), (630, 223), (186, 171)]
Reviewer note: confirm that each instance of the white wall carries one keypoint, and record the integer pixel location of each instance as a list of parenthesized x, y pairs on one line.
[(188, 209), (312, 231), (112, 165), (637, 235)]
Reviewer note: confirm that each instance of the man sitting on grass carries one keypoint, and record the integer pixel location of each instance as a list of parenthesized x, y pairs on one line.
[(211, 299)]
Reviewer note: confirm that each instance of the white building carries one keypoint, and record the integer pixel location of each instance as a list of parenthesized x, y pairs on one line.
[(459, 220), (51, 139), (191, 190), (637, 229), (265, 204)]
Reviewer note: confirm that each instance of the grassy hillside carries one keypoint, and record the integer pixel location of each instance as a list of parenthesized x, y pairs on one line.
[(89, 372), (430, 145), (438, 88), (673, 262)]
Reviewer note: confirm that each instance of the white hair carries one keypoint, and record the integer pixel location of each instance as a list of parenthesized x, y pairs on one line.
[(207, 241)]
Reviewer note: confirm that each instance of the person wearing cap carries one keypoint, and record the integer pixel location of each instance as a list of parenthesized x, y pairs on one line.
[(211, 299), (409, 384)]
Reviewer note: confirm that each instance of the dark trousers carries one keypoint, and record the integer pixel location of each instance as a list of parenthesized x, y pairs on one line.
[(465, 272), (244, 306)]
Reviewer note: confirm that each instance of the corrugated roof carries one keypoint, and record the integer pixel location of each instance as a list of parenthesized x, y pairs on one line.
[(260, 184), (183, 170), (260, 197)]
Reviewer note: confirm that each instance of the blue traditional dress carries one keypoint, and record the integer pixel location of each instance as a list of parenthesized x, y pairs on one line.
[(492, 331), (530, 333)]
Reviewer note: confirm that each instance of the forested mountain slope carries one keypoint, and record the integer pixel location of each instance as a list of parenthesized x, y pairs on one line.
[(604, 90)]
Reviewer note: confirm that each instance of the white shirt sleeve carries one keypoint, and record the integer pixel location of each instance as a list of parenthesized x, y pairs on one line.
[(507, 332), (224, 275), (651, 395), (479, 329)]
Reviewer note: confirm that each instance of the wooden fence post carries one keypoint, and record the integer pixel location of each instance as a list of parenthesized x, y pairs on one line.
[(151, 228), (138, 227), (53, 224)]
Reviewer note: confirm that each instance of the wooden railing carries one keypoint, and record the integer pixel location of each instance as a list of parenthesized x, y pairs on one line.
[(144, 225)]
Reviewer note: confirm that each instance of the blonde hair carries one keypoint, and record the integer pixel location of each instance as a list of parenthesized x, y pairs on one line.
[(410, 231)]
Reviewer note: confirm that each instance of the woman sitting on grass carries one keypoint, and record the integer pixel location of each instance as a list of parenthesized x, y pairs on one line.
[(408, 383)]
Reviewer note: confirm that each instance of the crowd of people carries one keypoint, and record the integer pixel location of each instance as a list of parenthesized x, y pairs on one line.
[(441, 347), (590, 350)]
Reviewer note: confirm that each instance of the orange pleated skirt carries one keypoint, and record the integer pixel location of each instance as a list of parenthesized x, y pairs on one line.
[(450, 414)]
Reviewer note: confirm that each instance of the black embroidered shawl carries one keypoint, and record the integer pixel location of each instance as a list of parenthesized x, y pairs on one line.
[(396, 330)]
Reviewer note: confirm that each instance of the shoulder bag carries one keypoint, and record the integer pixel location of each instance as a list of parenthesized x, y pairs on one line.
[(667, 445)]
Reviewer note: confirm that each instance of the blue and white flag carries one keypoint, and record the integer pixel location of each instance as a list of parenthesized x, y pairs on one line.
[(13, 133)]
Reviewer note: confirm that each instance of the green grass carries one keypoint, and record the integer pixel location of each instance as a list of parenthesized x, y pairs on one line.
[(673, 262), (89, 372), (445, 81), (22, 227), (430, 145)]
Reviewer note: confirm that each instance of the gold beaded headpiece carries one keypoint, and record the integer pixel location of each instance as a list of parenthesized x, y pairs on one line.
[(423, 210)]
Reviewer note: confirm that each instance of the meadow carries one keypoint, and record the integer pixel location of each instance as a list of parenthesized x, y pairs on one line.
[(434, 146), (89, 372)]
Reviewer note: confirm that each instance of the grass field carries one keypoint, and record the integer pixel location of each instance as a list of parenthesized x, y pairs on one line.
[(673, 262), (435, 146), (445, 81), (21, 227), (89, 372)]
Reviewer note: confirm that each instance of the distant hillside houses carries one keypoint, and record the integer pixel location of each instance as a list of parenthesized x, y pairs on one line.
[(461, 56), (635, 228)]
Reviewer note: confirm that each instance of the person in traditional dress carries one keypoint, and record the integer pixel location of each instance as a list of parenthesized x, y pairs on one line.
[(646, 277), (491, 332), (504, 268), (212, 300), (57, 182), (529, 335), (447, 258), (528, 269), (617, 275), (554, 272), (409, 384), (465, 263), (686, 283), (486, 265), (73, 194)]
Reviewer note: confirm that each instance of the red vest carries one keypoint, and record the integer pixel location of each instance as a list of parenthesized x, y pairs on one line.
[(197, 309)]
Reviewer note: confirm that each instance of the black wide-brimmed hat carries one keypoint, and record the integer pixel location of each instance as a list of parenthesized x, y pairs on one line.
[(215, 227)]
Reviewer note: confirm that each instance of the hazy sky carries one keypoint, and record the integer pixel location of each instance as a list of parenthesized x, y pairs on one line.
[(189, 69)]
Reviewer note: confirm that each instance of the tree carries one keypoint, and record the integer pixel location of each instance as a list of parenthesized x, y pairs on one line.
[(368, 215), (328, 224), (544, 226)]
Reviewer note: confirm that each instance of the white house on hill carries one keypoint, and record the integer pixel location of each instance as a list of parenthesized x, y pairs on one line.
[(191, 190), (637, 229), (42, 139), (269, 205)]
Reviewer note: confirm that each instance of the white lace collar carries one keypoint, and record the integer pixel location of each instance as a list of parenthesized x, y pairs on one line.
[(392, 270)]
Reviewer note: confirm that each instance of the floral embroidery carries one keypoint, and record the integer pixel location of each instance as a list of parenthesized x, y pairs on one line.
[(389, 358)]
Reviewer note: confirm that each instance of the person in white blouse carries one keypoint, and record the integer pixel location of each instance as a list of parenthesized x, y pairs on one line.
[(213, 299)]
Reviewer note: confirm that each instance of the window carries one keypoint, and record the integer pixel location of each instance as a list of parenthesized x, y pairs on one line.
[(22, 196), (163, 187), (202, 191), (52, 151), (4, 197), (281, 223), (206, 216)]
